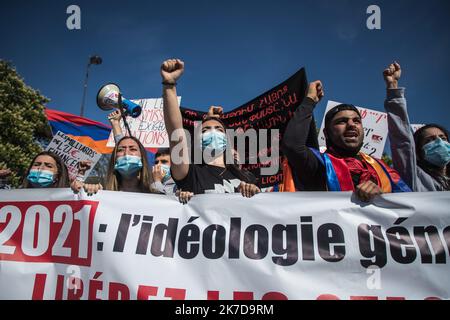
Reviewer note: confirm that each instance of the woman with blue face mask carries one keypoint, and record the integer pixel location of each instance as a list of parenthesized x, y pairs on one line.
[(47, 170), (423, 158), (433, 154), (128, 169), (214, 174)]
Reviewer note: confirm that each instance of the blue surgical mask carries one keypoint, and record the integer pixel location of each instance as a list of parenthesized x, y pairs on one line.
[(166, 169), (40, 178), (128, 166), (437, 152), (214, 140)]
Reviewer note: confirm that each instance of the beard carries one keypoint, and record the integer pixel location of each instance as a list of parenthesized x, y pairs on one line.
[(343, 149)]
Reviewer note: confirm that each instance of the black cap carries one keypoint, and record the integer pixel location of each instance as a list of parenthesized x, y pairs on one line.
[(341, 107)]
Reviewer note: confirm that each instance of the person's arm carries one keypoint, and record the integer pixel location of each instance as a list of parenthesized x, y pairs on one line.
[(401, 137), (171, 71), (302, 160), (158, 186), (114, 118)]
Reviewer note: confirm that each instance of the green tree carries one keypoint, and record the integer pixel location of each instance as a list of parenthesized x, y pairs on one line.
[(22, 121)]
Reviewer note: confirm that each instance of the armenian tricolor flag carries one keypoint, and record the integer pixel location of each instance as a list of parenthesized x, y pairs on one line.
[(91, 133)]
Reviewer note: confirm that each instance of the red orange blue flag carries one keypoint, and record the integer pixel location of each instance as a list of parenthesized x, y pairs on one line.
[(91, 133)]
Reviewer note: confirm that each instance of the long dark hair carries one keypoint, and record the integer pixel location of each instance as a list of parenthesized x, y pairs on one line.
[(113, 179), (62, 177), (242, 174), (429, 168)]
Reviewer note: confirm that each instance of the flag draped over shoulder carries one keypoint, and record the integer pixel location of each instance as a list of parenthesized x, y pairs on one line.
[(91, 133)]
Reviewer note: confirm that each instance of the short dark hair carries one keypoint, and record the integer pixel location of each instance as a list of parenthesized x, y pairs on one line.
[(332, 113), (341, 107), (162, 152)]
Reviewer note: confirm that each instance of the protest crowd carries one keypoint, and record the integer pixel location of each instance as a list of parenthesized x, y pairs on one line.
[(420, 160)]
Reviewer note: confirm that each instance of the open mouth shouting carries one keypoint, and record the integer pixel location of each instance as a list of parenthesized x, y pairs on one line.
[(351, 135)]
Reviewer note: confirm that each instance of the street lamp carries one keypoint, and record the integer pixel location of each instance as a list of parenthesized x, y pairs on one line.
[(92, 60)]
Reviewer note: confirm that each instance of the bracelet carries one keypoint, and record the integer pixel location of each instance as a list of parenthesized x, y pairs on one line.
[(169, 83), (79, 178)]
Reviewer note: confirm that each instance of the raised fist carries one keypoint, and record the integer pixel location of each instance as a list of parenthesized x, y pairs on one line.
[(315, 91), (215, 112), (392, 74), (171, 70)]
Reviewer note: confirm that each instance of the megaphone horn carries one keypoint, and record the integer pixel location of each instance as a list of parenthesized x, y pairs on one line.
[(108, 96), (108, 99)]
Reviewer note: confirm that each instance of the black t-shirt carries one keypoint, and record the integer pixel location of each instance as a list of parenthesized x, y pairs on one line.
[(210, 179)]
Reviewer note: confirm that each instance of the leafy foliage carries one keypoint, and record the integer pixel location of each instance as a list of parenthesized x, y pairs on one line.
[(22, 121)]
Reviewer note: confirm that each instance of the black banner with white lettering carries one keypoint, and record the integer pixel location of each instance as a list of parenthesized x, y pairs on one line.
[(271, 110)]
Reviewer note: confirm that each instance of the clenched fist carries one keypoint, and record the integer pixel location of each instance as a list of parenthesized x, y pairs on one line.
[(368, 190), (315, 91), (171, 70), (215, 112), (392, 74)]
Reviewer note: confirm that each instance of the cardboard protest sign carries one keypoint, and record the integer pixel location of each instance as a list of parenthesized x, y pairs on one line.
[(375, 130), (416, 127), (71, 152), (149, 127)]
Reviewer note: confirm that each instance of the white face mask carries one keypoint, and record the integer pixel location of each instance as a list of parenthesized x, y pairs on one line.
[(215, 141), (437, 152)]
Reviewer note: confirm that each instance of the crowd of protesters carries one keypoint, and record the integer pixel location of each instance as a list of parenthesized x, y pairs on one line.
[(421, 160)]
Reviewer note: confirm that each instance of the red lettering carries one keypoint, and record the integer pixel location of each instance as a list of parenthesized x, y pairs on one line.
[(363, 298), (213, 295), (76, 292), (242, 295), (175, 294), (327, 297), (146, 291), (59, 287), (39, 286), (116, 289), (274, 296)]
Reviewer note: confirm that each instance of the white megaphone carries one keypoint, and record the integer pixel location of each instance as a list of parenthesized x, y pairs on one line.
[(109, 97)]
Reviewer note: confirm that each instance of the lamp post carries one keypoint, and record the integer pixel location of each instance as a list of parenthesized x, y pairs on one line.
[(92, 60)]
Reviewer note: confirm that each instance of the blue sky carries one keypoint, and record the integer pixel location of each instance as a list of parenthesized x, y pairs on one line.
[(233, 50)]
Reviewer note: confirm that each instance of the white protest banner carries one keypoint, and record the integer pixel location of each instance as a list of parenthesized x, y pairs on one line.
[(316, 245), (375, 130), (71, 152), (149, 127)]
